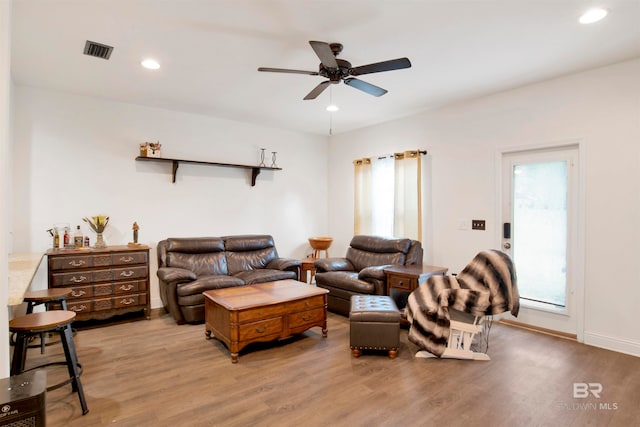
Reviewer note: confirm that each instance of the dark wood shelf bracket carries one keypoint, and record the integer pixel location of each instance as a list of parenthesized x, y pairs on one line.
[(174, 169), (175, 163)]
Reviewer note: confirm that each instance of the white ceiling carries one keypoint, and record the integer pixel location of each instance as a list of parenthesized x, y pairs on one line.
[(210, 51)]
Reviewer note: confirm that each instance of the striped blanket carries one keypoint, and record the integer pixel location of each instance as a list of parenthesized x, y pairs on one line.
[(486, 286)]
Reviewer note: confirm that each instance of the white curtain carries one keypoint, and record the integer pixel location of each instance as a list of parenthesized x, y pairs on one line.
[(407, 217), (363, 223), (388, 195)]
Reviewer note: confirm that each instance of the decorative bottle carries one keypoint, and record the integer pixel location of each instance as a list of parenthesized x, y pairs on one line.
[(78, 238)]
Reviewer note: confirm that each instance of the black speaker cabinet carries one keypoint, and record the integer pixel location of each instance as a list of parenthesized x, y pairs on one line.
[(22, 400)]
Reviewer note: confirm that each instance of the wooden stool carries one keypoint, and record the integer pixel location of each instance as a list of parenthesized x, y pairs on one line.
[(58, 321), (46, 296), (316, 253)]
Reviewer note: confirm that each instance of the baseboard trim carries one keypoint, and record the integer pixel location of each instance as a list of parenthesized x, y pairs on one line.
[(534, 328), (611, 343), (155, 313)]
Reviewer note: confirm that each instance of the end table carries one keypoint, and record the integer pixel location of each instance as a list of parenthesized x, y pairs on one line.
[(404, 279)]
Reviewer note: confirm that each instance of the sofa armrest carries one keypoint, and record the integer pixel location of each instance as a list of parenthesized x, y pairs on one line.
[(173, 274), (323, 265), (374, 272), (284, 264)]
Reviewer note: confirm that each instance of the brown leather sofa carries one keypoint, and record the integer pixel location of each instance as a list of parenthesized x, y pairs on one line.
[(360, 272), (189, 266)]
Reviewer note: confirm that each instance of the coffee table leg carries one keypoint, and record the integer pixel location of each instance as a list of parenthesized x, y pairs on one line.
[(207, 334), (234, 357), (324, 331)]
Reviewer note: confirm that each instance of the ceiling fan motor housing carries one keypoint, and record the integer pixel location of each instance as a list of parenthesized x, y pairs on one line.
[(343, 70)]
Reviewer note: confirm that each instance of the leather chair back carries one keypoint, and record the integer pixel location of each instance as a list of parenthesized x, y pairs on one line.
[(202, 255), (365, 251), (249, 252)]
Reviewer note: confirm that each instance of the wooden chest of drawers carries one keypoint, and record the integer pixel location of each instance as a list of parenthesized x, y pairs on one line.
[(104, 282)]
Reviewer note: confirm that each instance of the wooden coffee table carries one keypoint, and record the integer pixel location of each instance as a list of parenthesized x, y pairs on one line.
[(268, 311)]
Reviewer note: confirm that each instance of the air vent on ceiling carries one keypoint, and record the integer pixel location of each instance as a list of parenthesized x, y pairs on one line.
[(98, 50)]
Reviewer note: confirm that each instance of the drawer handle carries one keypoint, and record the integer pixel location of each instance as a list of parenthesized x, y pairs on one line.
[(79, 307), (78, 294), (127, 301), (126, 287), (127, 259), (127, 273), (76, 263), (75, 279), (261, 331), (307, 317)]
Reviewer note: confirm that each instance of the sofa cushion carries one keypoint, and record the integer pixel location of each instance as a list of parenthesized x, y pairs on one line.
[(380, 244), (250, 277), (345, 280), (202, 264), (195, 245), (248, 242), (205, 283), (251, 260), (362, 259)]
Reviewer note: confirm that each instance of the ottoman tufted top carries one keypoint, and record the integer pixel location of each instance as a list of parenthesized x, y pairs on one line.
[(373, 308)]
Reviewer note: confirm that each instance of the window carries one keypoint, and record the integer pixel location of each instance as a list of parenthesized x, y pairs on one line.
[(387, 195)]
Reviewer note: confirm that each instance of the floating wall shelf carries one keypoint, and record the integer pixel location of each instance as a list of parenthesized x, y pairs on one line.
[(255, 170)]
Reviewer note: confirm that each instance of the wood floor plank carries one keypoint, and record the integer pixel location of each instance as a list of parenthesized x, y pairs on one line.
[(156, 373)]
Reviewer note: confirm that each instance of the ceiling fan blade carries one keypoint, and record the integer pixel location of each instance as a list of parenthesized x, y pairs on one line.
[(393, 64), (317, 90), (365, 87), (286, 70), (324, 52)]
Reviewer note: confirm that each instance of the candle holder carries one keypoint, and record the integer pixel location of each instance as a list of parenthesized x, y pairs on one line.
[(262, 164), (273, 159)]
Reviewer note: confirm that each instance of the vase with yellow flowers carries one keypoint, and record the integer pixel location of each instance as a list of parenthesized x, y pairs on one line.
[(98, 223)]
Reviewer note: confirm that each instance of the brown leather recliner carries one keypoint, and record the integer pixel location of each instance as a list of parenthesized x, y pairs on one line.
[(189, 266), (360, 272)]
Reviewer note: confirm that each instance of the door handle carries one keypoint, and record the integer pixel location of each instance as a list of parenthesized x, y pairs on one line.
[(506, 230)]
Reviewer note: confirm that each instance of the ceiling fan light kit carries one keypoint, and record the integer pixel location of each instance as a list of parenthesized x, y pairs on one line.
[(337, 70)]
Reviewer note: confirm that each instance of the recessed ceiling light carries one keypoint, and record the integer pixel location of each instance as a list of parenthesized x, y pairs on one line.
[(332, 108), (592, 15), (151, 64)]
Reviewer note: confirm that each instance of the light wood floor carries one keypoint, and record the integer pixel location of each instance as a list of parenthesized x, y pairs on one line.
[(155, 373)]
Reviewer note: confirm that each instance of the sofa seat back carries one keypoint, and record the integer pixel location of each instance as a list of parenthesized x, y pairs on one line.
[(336, 281), (249, 252), (190, 293), (263, 275), (204, 256), (367, 251)]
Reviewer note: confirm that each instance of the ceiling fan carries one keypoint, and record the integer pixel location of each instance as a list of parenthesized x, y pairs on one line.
[(337, 70)]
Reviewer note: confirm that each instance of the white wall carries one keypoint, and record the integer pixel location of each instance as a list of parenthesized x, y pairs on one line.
[(600, 108), (74, 157), (5, 177)]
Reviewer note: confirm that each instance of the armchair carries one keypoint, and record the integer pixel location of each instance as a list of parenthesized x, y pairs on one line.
[(360, 272)]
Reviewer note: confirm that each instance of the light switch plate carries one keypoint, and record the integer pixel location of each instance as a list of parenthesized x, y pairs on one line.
[(478, 224)]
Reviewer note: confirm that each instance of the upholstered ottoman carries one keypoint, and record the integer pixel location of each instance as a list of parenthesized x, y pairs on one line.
[(375, 324)]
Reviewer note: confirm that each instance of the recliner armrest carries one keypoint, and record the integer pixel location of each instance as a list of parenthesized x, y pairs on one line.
[(284, 264), (173, 274), (333, 264), (374, 272)]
